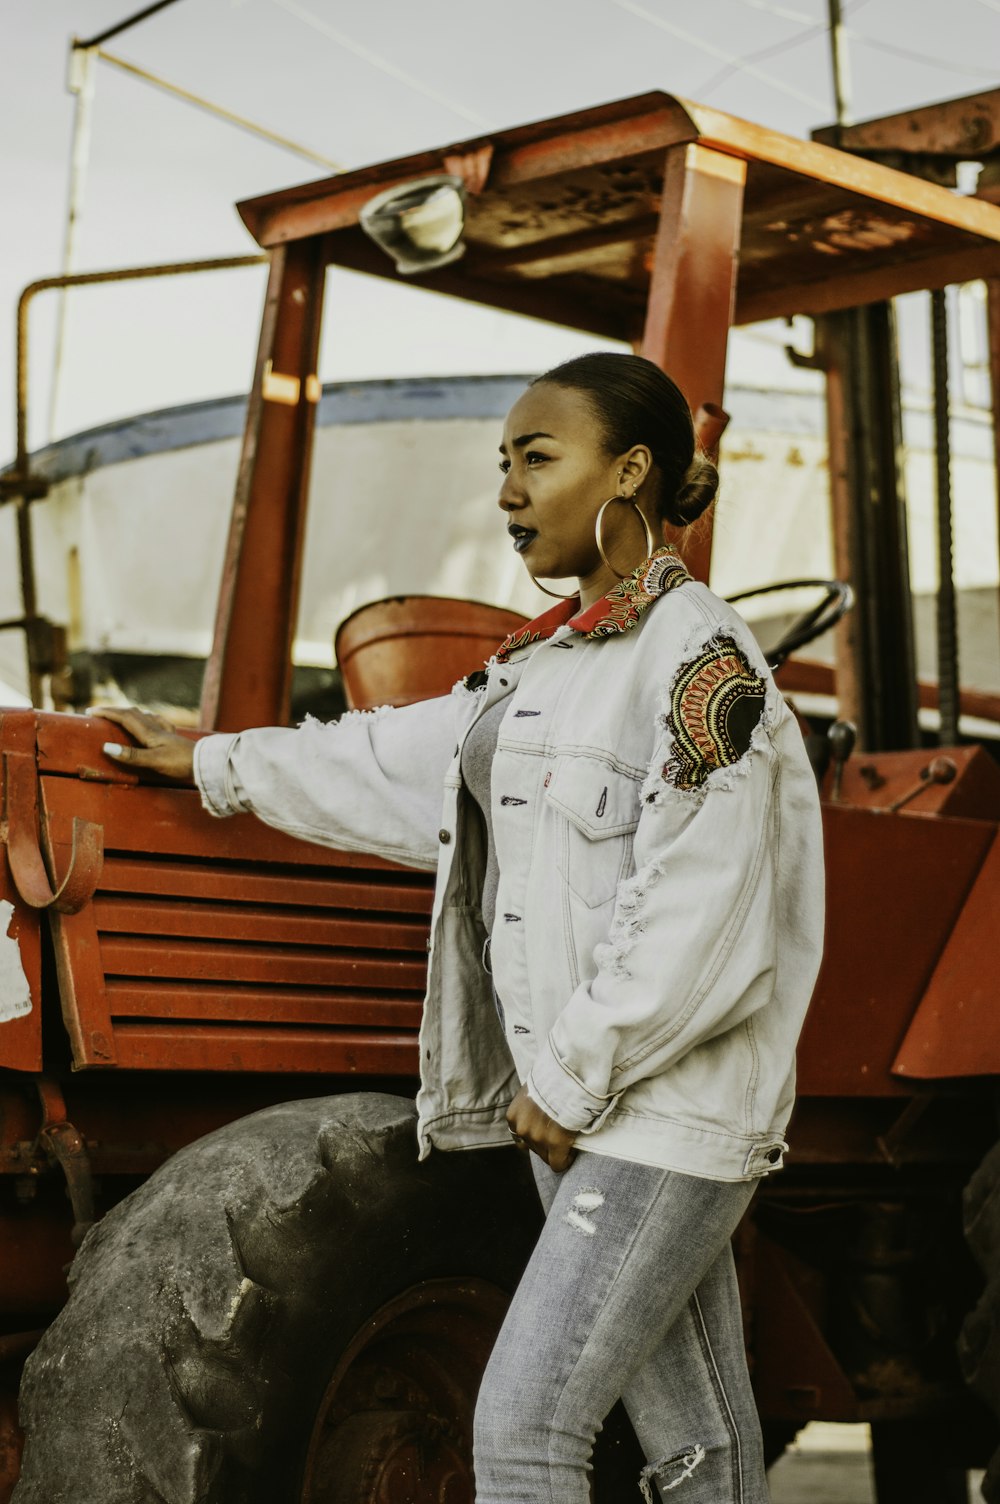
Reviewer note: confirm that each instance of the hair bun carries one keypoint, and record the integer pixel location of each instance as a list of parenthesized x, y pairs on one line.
[(696, 492)]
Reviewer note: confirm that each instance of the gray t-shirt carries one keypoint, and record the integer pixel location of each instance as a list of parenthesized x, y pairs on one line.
[(477, 771)]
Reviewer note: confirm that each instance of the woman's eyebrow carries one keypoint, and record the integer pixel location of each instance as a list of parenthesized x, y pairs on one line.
[(526, 438)]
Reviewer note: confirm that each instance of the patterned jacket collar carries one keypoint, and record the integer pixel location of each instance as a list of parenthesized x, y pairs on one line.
[(618, 611)]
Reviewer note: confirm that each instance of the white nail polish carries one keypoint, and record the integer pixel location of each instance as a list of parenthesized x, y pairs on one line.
[(113, 749)]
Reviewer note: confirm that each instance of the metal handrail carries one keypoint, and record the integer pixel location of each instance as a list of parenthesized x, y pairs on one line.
[(18, 484)]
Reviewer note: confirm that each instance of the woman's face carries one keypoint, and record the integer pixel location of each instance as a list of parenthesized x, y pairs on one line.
[(556, 475)]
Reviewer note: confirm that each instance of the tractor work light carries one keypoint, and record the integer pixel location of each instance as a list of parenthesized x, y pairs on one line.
[(419, 224)]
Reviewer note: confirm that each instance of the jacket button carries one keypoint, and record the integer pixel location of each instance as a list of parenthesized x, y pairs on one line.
[(773, 1155), (444, 836)]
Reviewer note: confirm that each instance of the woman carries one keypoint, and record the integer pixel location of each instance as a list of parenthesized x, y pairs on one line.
[(626, 932)]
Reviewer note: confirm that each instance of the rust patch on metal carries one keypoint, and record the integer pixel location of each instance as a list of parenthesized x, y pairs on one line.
[(847, 230)]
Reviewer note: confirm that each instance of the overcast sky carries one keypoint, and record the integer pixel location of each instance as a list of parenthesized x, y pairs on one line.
[(361, 83)]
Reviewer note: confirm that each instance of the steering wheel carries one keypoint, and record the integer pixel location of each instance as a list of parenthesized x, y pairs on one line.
[(838, 598)]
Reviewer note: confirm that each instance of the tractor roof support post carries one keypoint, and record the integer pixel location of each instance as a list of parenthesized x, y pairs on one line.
[(947, 619), (693, 285), (863, 409), (249, 672), (29, 596), (993, 326), (847, 638)]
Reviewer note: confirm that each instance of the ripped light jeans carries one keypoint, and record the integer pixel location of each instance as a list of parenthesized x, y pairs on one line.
[(631, 1293)]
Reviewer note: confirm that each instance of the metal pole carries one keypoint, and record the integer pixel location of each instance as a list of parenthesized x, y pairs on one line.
[(29, 599), (80, 83), (90, 279), (120, 26), (219, 111), (993, 334), (20, 486), (947, 631), (864, 401), (840, 66)]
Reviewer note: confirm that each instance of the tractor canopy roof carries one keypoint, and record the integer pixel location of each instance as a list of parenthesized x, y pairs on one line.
[(575, 202)]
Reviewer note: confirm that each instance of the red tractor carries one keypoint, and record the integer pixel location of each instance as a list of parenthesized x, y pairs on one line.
[(208, 1030)]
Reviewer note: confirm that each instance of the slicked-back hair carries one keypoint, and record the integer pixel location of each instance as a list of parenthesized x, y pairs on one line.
[(637, 403)]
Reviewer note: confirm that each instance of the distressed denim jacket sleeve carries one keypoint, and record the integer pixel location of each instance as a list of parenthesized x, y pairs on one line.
[(692, 946), (370, 781)]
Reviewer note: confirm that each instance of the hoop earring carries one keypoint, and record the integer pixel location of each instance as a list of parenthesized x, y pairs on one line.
[(650, 546), (555, 593)]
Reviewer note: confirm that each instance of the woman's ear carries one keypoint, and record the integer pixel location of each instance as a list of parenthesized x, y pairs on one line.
[(633, 468)]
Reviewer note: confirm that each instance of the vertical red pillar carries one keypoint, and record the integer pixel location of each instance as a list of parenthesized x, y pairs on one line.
[(248, 675), (847, 645), (693, 286)]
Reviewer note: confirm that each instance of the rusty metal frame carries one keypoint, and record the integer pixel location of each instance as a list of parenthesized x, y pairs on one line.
[(693, 299), (13, 482), (647, 123), (869, 524), (597, 138), (928, 141), (993, 330), (234, 949), (260, 583), (963, 129), (693, 285), (21, 486)]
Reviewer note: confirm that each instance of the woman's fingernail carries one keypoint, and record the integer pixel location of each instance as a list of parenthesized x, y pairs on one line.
[(113, 749)]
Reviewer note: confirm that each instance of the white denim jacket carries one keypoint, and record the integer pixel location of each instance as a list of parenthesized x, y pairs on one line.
[(660, 908)]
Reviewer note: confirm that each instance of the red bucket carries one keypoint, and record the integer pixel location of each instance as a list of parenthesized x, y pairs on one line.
[(412, 647)]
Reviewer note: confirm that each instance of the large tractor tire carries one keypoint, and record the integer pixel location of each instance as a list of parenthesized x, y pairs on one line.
[(292, 1310)]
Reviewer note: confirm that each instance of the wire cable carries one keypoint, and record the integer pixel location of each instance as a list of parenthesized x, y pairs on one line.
[(865, 39), (797, 15), (738, 64), (309, 18), (786, 15), (120, 26), (720, 77), (218, 110)]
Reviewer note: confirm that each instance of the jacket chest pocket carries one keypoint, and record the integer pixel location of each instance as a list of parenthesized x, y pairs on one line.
[(597, 811)]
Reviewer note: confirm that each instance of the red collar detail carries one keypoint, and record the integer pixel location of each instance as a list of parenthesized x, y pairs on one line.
[(618, 611)]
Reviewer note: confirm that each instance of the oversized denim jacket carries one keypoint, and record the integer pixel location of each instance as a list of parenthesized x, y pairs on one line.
[(659, 914)]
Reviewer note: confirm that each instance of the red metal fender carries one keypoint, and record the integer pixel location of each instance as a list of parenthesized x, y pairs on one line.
[(897, 887), (954, 1030)]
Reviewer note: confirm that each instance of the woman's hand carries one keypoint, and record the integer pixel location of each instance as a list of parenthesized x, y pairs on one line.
[(161, 749), (533, 1129)]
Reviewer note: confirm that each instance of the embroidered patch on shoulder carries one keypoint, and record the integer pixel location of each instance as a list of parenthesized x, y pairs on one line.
[(716, 701)]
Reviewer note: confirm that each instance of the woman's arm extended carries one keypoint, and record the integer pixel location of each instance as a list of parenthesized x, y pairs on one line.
[(371, 781)]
